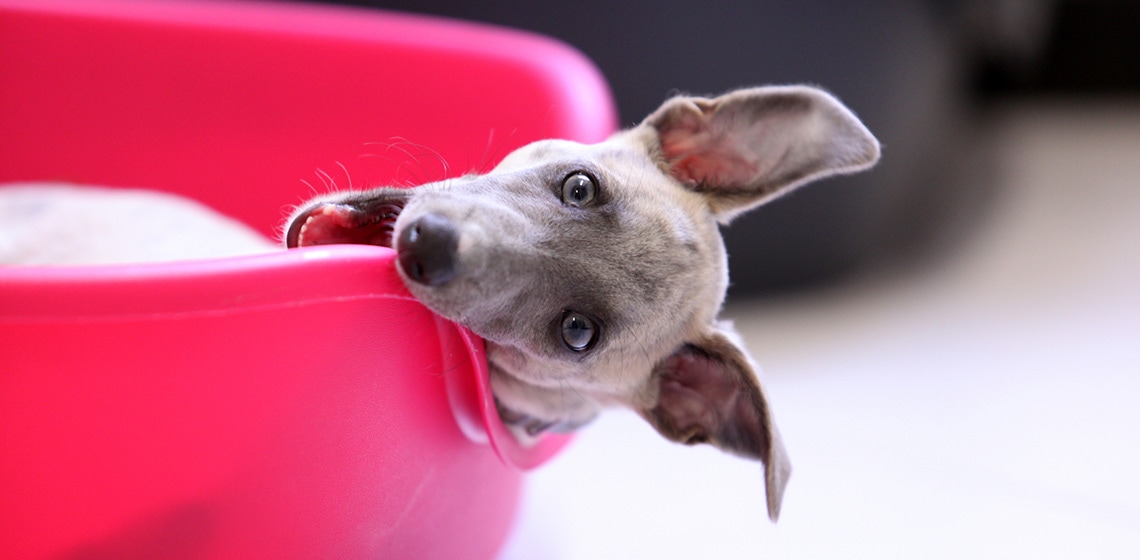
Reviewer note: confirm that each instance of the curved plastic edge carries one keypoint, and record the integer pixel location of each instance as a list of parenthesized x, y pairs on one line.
[(509, 450), (587, 109), (281, 278)]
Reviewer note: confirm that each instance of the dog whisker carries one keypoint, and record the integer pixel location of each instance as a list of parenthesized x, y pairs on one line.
[(313, 190), (346, 175), (492, 152), (406, 147)]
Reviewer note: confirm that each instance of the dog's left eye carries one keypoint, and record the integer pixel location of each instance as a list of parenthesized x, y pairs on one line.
[(579, 190), (578, 331)]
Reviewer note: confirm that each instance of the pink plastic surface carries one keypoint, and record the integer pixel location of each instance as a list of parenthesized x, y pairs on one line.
[(291, 405)]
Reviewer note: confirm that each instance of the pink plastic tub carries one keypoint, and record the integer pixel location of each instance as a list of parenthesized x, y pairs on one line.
[(290, 405)]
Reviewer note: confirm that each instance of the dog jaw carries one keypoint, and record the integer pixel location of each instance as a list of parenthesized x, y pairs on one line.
[(363, 220)]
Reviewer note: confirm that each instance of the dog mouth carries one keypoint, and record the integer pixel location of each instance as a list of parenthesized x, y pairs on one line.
[(331, 223)]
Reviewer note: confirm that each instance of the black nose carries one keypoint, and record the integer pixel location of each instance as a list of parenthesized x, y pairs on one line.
[(427, 249)]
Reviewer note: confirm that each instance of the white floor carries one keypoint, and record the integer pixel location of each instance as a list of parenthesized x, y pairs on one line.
[(987, 406)]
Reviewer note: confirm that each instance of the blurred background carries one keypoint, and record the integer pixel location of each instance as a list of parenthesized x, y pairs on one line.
[(923, 75), (951, 341)]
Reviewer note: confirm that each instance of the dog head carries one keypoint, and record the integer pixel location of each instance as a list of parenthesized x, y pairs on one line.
[(595, 273)]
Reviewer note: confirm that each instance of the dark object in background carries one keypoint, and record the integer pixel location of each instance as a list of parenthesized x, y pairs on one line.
[(1087, 47), (904, 67)]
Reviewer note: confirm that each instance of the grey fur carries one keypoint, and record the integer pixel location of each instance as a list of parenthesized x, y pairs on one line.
[(645, 260)]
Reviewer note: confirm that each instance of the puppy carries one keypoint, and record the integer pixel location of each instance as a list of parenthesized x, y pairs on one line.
[(595, 273)]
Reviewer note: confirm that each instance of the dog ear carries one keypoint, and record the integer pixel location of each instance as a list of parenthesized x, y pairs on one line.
[(747, 147), (708, 392)]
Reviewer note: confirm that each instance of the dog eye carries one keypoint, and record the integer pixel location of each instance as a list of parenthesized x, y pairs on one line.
[(578, 190), (578, 331)]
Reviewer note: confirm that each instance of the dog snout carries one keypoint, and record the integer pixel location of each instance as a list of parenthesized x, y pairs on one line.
[(428, 249)]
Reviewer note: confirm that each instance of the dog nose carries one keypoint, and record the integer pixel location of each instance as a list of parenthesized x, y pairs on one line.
[(427, 249)]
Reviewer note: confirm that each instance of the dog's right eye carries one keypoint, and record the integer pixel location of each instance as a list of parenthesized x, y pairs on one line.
[(579, 189), (579, 332)]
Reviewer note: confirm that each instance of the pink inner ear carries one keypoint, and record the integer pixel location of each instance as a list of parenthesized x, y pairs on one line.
[(704, 399), (699, 157), (686, 406), (696, 391)]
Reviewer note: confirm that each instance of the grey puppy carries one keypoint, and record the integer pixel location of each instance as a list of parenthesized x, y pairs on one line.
[(595, 273)]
